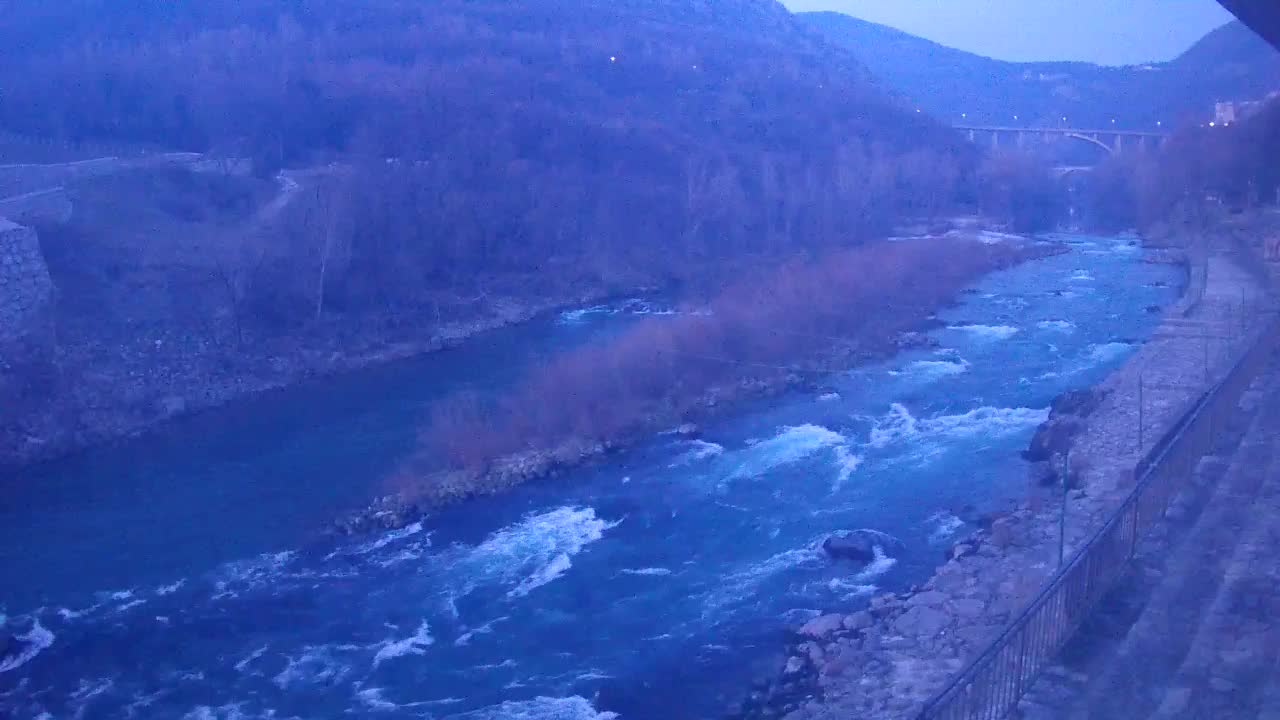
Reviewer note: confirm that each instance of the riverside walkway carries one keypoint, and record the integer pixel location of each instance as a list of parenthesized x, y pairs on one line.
[(1193, 629), (892, 660)]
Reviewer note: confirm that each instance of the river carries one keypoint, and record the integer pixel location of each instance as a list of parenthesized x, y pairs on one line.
[(180, 575)]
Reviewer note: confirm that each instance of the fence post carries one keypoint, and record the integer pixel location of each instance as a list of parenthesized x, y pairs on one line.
[(1133, 529), (1141, 412), (1206, 356), (1062, 516)]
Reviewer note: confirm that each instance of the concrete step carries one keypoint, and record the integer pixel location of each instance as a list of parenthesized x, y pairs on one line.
[(1233, 656), (1136, 677)]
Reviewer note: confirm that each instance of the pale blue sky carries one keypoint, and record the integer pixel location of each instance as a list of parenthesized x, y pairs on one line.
[(1111, 32)]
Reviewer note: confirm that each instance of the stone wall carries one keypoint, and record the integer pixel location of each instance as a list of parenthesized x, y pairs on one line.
[(25, 287)]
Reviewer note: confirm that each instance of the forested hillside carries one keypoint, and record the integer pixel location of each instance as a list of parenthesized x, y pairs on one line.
[(628, 136), (445, 163), (1230, 63)]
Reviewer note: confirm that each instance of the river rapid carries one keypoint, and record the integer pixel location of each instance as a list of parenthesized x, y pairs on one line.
[(179, 576)]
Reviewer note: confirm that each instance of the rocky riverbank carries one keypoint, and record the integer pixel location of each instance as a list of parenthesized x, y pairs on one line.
[(885, 660), (141, 384)]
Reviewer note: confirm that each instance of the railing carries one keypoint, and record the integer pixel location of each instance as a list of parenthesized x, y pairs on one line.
[(993, 683)]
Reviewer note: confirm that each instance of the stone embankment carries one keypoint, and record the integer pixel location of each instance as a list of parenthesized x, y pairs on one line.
[(26, 295), (887, 660), (25, 286)]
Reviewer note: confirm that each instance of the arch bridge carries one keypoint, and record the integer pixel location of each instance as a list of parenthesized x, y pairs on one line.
[(1111, 141)]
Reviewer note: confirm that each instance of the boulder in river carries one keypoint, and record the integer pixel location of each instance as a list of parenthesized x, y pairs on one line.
[(849, 546), (856, 545)]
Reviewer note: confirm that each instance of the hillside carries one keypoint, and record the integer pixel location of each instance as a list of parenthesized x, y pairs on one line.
[(452, 164), (1230, 63), (535, 112)]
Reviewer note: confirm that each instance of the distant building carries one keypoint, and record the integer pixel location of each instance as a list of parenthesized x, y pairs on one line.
[(1225, 113)]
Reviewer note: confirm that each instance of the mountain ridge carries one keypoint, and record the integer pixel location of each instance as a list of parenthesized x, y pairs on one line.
[(958, 87)]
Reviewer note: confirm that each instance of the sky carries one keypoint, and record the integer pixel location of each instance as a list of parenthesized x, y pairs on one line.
[(1109, 32)]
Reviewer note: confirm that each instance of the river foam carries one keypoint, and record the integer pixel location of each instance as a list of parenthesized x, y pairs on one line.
[(793, 443), (935, 369), (698, 450), (1064, 326), (987, 332), (531, 553), (34, 641), (540, 708), (634, 306), (415, 644), (847, 463), (899, 425)]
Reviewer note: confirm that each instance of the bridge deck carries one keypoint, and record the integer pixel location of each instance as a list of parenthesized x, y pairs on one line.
[(1062, 130)]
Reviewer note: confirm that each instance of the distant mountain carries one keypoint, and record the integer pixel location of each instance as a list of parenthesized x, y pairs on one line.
[(1230, 63)]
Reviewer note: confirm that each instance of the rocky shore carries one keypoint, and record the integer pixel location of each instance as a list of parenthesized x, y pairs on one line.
[(887, 659)]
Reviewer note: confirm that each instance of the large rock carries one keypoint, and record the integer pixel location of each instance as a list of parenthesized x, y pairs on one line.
[(922, 621), (1080, 403), (859, 620), (823, 626), (1055, 435), (856, 545)]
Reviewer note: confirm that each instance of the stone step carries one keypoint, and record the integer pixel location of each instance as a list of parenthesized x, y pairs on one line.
[(1234, 653)]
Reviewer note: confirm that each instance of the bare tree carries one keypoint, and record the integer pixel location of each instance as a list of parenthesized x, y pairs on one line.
[(235, 268), (325, 229)]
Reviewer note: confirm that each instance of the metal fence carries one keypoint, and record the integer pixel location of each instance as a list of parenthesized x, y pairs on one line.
[(992, 684)]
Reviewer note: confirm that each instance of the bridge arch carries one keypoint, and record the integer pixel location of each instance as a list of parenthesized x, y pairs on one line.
[(1093, 140)]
